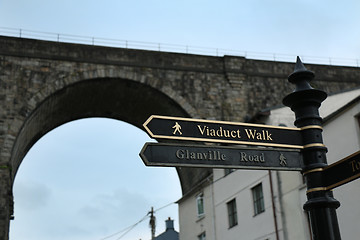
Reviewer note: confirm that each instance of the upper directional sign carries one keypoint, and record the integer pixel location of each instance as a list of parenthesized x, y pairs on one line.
[(343, 171), (162, 154), (163, 127)]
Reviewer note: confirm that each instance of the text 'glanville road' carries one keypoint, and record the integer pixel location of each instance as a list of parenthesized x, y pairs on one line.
[(162, 154)]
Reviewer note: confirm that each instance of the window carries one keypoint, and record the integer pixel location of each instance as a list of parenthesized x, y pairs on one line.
[(202, 236), (200, 204), (232, 213), (258, 199)]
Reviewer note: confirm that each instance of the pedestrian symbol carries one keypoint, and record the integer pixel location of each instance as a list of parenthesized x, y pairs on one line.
[(282, 160), (177, 128)]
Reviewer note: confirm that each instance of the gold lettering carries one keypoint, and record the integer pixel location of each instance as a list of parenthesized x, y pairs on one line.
[(243, 157), (250, 134), (233, 134), (238, 133), (355, 165), (219, 132), (268, 136), (180, 154), (208, 155), (259, 137), (262, 157), (264, 135), (202, 131), (252, 158)]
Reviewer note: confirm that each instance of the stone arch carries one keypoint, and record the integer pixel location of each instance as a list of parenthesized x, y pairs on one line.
[(115, 98), (107, 72)]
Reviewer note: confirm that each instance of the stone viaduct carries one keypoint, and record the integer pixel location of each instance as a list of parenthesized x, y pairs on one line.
[(45, 84)]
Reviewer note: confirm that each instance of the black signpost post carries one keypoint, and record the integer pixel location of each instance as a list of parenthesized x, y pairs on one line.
[(305, 102), (274, 148)]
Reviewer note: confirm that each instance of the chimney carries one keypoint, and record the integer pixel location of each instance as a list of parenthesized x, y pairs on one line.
[(169, 224)]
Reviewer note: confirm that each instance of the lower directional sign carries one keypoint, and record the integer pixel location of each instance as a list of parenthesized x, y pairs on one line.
[(343, 171), (161, 154)]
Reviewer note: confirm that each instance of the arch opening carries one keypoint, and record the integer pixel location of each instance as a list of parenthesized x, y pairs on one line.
[(120, 99), (86, 177), (113, 98)]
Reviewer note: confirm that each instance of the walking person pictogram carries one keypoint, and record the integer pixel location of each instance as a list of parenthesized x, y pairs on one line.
[(177, 128), (282, 159)]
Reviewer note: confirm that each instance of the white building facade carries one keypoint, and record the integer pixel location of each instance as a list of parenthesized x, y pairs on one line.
[(268, 205)]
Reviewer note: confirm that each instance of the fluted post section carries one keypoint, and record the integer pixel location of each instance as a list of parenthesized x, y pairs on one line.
[(305, 102)]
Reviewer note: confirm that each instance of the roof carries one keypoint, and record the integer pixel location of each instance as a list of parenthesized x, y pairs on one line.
[(331, 107), (337, 103), (170, 234)]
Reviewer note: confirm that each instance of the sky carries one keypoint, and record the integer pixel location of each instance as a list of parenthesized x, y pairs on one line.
[(85, 180)]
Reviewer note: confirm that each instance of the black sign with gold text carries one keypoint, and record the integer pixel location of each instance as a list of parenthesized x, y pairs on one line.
[(176, 128), (163, 154), (343, 171)]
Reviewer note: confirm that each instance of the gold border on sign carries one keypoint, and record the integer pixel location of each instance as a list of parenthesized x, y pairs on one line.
[(221, 122), (312, 127), (220, 140), (342, 160), (314, 145), (342, 182), (317, 189), (149, 163), (313, 170), (330, 166)]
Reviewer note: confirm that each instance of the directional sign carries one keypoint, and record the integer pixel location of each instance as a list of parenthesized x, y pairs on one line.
[(343, 171), (162, 127), (161, 154)]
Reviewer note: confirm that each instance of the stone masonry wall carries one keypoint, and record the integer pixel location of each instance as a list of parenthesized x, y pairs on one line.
[(37, 78)]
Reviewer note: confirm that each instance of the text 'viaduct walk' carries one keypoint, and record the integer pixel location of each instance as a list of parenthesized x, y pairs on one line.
[(45, 84)]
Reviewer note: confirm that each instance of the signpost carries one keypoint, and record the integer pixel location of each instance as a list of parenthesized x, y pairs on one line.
[(298, 149), (161, 154), (305, 101), (176, 128)]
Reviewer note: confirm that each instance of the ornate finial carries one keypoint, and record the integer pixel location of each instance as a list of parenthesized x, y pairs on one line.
[(301, 76), (299, 66)]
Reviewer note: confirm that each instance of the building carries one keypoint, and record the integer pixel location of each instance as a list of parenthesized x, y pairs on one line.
[(170, 233), (268, 205)]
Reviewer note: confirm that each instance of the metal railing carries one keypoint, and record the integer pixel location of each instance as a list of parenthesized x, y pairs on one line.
[(178, 48)]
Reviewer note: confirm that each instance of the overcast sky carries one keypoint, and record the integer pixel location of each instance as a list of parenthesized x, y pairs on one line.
[(85, 180)]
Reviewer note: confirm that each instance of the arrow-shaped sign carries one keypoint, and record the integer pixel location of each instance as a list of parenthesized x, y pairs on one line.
[(163, 127), (161, 154), (343, 171)]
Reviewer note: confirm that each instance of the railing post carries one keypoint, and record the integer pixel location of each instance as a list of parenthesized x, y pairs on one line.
[(305, 102)]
